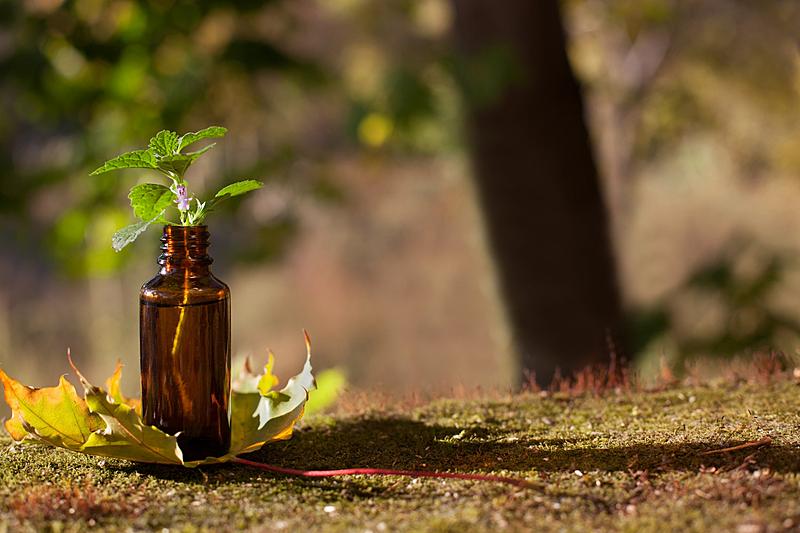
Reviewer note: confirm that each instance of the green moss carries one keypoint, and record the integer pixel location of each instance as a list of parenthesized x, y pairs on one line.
[(625, 462)]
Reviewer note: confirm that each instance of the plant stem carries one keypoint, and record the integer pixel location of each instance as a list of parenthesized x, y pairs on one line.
[(384, 472)]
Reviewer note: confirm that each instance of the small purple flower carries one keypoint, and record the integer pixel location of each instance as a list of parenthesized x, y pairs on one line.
[(183, 199)]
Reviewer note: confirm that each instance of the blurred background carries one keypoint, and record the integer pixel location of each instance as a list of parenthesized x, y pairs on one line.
[(435, 213)]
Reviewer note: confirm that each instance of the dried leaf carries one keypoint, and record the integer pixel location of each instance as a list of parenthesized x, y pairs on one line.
[(258, 418), (110, 425), (16, 427), (271, 406), (55, 414)]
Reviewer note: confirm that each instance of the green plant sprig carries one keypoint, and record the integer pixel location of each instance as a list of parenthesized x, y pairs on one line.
[(152, 202)]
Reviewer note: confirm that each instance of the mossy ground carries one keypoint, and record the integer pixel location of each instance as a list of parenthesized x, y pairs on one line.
[(627, 462)]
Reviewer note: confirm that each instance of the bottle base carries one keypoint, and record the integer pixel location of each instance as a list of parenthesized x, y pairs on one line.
[(199, 448)]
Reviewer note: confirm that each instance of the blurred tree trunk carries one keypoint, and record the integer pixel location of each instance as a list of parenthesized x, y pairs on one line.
[(539, 186)]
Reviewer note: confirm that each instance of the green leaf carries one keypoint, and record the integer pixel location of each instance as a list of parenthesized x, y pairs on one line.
[(240, 187), (164, 143), (194, 155), (178, 163), (54, 414), (128, 234), (210, 132), (149, 200), (135, 159), (175, 163)]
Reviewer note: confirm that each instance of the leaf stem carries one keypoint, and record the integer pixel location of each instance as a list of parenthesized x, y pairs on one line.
[(384, 472)]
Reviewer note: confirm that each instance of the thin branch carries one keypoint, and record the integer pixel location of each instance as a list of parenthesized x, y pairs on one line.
[(766, 441)]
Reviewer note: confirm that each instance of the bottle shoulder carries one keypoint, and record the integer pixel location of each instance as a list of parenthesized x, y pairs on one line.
[(177, 289)]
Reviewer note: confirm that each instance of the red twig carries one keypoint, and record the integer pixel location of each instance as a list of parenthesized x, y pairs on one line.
[(383, 472)]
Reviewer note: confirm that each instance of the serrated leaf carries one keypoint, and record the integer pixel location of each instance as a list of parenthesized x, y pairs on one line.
[(135, 159), (128, 234), (149, 200), (164, 143), (210, 132), (56, 414), (240, 187)]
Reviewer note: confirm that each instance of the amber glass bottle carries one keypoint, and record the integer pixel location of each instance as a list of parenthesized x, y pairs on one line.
[(185, 346)]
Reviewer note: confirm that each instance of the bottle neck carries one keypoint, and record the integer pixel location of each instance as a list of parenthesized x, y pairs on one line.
[(185, 249)]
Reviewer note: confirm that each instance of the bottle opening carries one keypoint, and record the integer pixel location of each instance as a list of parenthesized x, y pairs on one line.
[(184, 246)]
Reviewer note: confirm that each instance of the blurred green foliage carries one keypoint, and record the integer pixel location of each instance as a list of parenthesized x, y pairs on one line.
[(85, 79), (698, 100), (733, 299), (331, 383)]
